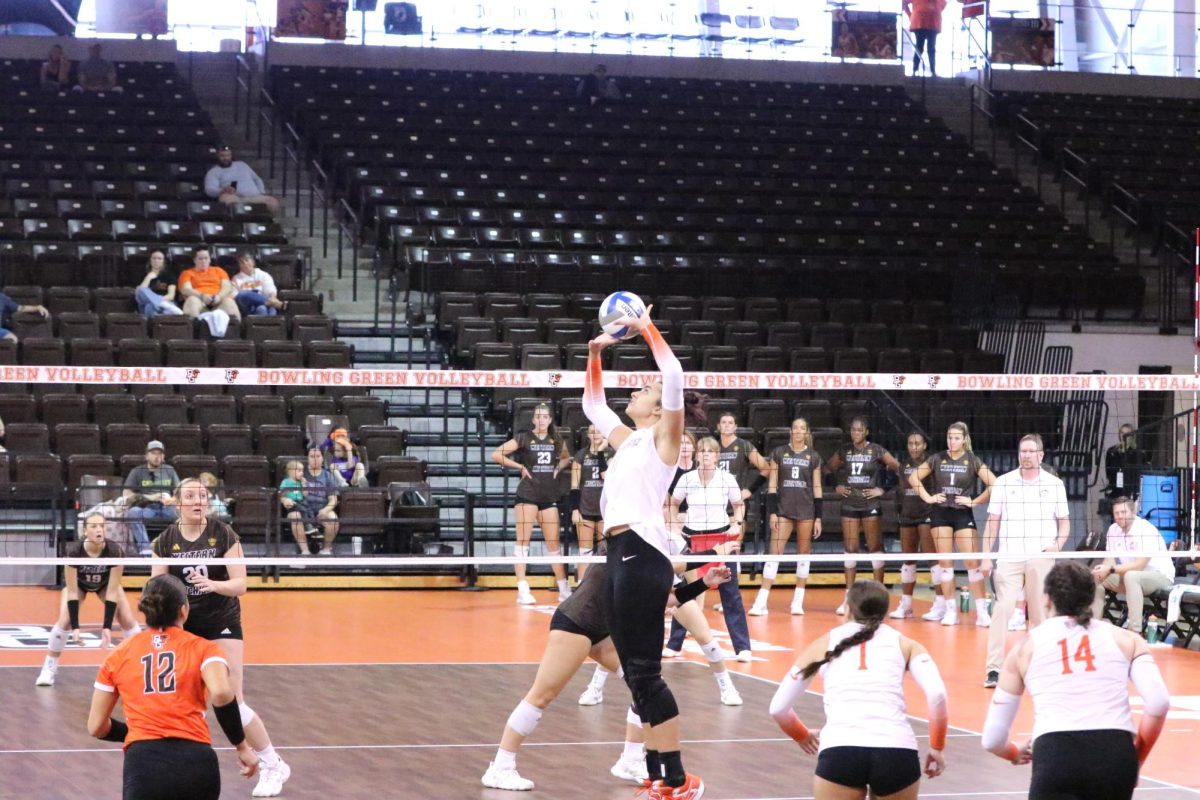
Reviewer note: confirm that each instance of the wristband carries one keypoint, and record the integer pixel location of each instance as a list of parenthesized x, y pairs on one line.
[(117, 731), (229, 717), (817, 505), (690, 591), (757, 483), (73, 613), (110, 611), (573, 499)]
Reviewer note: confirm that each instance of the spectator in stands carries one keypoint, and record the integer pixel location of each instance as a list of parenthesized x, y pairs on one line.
[(235, 182), (96, 73), (256, 292), (1137, 578), (206, 289), (345, 459), (56, 70), (8, 307), (156, 293), (1123, 464), (148, 494), (597, 87), (310, 495), (925, 23), (217, 508)]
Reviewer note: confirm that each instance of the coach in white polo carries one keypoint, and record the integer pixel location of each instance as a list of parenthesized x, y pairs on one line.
[(1137, 577), (1028, 514)]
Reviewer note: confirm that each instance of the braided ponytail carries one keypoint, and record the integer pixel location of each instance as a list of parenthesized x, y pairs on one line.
[(868, 601)]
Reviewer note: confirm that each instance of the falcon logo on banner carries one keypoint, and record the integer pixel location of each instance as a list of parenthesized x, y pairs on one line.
[(1022, 41)]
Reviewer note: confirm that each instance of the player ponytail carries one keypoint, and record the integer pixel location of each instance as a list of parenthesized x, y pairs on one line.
[(961, 427), (163, 597), (868, 602), (695, 410), (1071, 589)]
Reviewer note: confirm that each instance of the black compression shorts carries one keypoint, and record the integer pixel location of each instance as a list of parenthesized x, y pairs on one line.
[(872, 510), (958, 519), (216, 631), (171, 769), (1084, 765), (886, 770), (561, 622)]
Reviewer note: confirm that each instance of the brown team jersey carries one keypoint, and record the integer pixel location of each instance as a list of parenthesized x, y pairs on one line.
[(734, 458), (208, 609), (794, 480), (861, 470), (93, 578), (955, 476), (540, 457), (591, 485), (912, 508)]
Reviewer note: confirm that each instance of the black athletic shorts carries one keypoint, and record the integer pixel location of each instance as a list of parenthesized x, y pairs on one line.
[(872, 510), (214, 632), (912, 522), (542, 505), (591, 517), (171, 769), (886, 770), (958, 519), (1084, 765), (561, 622)]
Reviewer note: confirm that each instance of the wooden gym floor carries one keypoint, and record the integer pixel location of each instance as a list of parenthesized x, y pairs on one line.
[(403, 694)]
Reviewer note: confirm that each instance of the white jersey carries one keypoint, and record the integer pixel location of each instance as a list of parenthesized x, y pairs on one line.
[(1078, 678), (707, 504), (635, 488), (864, 692)]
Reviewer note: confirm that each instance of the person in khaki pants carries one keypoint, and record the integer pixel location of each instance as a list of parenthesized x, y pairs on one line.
[(1028, 515), (1136, 577)]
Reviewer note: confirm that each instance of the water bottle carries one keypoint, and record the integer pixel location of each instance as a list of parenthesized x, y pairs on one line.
[(989, 603), (1152, 630), (964, 600)]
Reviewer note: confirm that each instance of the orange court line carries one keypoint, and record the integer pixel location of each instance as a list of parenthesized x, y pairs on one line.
[(366, 626)]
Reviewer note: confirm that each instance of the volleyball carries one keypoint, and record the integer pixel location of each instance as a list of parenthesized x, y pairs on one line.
[(616, 307)]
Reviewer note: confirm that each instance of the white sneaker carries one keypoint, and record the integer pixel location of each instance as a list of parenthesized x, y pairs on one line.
[(841, 609), (272, 779), (934, 614), (592, 696), (982, 618), (46, 677), (950, 618), (630, 769), (730, 697), (744, 656), (669, 653), (797, 608), (720, 609), (757, 610), (1017, 621), (510, 779), (526, 599), (903, 611)]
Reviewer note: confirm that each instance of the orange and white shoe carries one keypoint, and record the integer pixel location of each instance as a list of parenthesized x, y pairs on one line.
[(692, 789)]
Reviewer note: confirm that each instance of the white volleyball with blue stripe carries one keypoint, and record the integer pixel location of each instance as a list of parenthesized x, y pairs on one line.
[(616, 307)]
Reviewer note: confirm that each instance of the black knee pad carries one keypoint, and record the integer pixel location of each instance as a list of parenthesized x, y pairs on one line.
[(651, 696)]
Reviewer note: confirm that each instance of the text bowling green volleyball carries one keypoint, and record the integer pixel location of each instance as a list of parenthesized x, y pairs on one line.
[(616, 307)]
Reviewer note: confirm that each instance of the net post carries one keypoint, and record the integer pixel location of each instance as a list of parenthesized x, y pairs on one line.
[(1195, 454)]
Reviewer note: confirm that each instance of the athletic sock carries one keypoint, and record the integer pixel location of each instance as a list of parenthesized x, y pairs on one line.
[(798, 596), (51, 662), (906, 601), (673, 774), (723, 679), (634, 750), (653, 764), (599, 678), (504, 759), (562, 586), (268, 756)]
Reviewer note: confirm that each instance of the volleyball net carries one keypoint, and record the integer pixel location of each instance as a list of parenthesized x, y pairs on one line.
[(435, 501)]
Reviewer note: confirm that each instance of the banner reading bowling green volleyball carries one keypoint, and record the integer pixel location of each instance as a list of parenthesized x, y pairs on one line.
[(1022, 41), (863, 34)]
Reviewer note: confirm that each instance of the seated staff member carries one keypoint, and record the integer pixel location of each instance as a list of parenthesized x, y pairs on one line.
[(867, 743), (915, 536), (956, 473), (1078, 671), (794, 502), (858, 467), (715, 515), (102, 580), (540, 454), (1138, 578), (162, 676), (587, 484)]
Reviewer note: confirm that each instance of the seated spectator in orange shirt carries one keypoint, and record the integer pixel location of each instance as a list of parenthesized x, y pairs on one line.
[(206, 288)]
